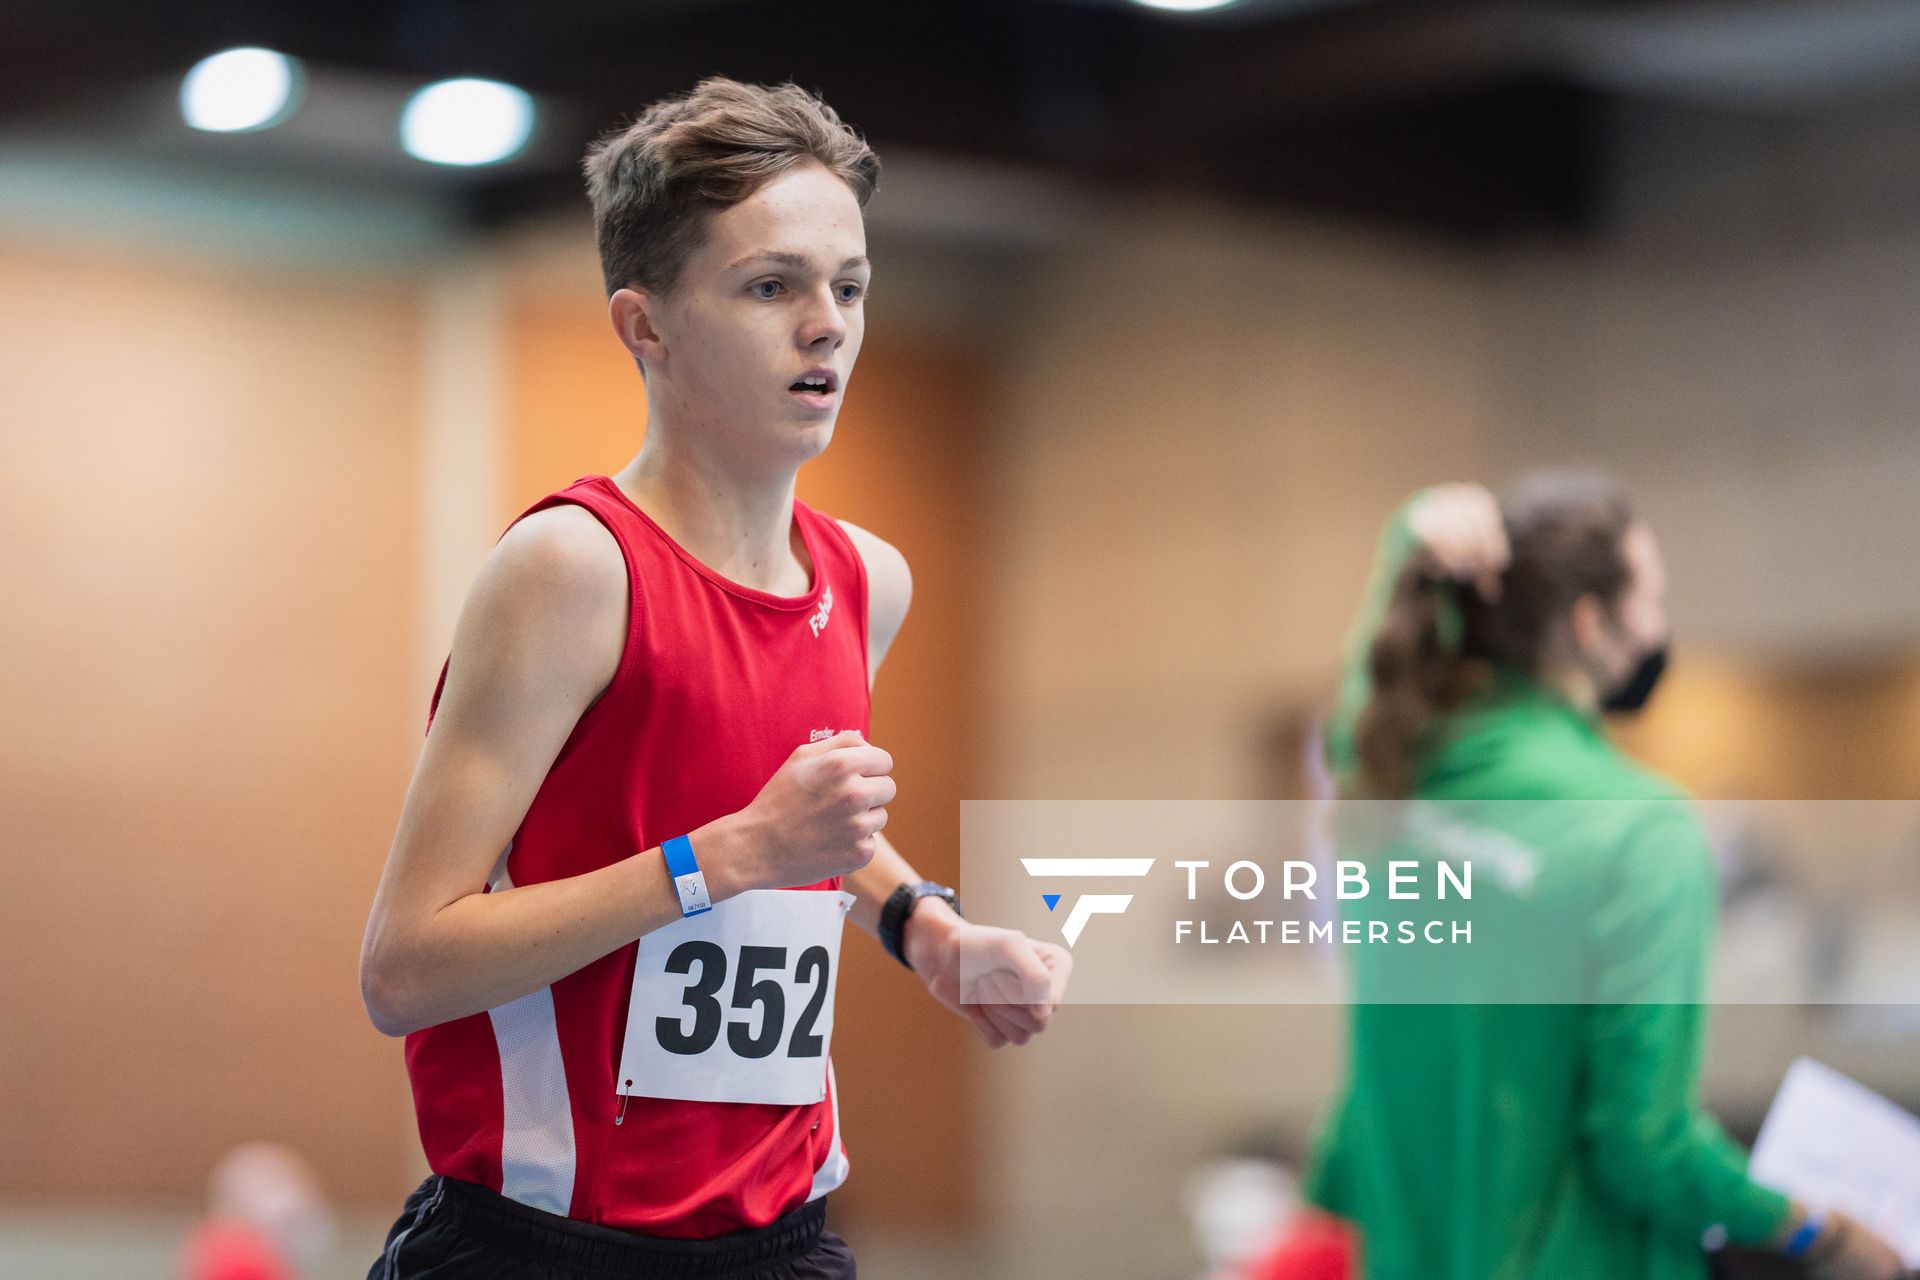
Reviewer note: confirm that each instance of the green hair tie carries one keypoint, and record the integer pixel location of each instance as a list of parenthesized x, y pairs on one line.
[(1449, 623)]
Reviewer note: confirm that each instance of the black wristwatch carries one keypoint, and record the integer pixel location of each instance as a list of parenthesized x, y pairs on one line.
[(900, 905)]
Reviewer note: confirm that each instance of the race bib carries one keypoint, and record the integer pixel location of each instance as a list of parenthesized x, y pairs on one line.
[(736, 1004)]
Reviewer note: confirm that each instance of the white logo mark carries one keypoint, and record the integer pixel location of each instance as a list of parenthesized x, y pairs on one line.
[(1088, 905)]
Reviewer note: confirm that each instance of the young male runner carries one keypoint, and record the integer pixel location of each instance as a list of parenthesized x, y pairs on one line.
[(609, 923)]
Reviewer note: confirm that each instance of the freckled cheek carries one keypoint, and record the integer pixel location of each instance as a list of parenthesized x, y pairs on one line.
[(747, 348)]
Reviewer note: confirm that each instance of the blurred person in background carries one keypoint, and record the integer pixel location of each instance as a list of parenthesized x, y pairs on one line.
[(1249, 1222), (1551, 1140), (611, 915), (266, 1219)]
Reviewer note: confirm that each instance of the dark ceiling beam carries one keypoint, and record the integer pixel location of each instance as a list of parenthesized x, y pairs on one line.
[(1352, 61)]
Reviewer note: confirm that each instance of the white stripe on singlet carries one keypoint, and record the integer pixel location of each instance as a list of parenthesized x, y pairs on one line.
[(536, 1140), (833, 1170)]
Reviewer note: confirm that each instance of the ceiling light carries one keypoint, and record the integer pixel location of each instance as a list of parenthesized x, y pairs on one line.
[(466, 122), (1184, 6), (240, 89)]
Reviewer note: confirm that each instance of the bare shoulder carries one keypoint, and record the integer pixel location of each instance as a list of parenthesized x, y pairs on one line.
[(561, 559), (563, 546), (550, 603), (889, 587)]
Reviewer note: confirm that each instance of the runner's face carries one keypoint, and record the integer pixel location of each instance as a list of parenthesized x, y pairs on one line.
[(776, 292)]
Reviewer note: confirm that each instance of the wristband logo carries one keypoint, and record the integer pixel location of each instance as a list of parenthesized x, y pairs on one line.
[(1089, 905)]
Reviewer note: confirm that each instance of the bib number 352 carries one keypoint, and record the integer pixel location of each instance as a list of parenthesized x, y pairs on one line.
[(751, 992), (736, 1005)]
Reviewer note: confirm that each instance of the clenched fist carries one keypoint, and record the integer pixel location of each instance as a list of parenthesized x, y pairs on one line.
[(817, 817), (1003, 982)]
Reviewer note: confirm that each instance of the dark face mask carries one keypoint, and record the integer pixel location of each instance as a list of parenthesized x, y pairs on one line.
[(1632, 693)]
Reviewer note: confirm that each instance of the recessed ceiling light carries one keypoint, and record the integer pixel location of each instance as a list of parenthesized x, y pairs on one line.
[(240, 89), (466, 122), (1185, 6)]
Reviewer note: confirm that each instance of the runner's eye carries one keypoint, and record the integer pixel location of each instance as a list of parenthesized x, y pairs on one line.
[(766, 289)]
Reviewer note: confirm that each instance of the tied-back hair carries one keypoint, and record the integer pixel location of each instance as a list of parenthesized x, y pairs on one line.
[(1439, 642)]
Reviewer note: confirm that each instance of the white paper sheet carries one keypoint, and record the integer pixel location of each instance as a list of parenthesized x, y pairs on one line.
[(1833, 1143)]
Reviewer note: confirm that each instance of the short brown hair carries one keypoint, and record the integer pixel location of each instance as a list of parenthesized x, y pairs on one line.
[(653, 182)]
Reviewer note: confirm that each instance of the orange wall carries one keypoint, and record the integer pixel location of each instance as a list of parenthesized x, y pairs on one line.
[(575, 404), (1738, 730), (205, 674)]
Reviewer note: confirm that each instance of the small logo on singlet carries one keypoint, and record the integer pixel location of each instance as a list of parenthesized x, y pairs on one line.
[(819, 735), (819, 619)]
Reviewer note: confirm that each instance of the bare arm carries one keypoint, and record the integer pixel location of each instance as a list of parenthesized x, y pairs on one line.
[(539, 638), (1014, 982), (537, 641), (889, 592)]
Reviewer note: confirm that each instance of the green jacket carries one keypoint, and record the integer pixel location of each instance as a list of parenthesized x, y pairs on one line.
[(1525, 1107)]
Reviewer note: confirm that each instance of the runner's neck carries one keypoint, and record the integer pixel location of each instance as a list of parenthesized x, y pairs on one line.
[(741, 527)]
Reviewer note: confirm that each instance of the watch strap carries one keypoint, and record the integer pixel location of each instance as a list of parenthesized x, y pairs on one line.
[(899, 907)]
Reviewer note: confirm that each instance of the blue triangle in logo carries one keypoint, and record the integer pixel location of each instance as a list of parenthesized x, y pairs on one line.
[(1051, 899)]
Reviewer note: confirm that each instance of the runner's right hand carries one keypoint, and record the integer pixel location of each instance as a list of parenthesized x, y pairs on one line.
[(819, 816)]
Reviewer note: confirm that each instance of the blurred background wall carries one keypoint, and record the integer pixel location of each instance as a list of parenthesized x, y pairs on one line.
[(1134, 413), (1185, 553)]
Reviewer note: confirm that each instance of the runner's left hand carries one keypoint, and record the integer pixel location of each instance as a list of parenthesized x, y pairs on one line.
[(1005, 983)]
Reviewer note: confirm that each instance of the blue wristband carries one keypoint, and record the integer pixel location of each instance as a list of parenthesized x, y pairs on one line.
[(1802, 1240), (688, 880)]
